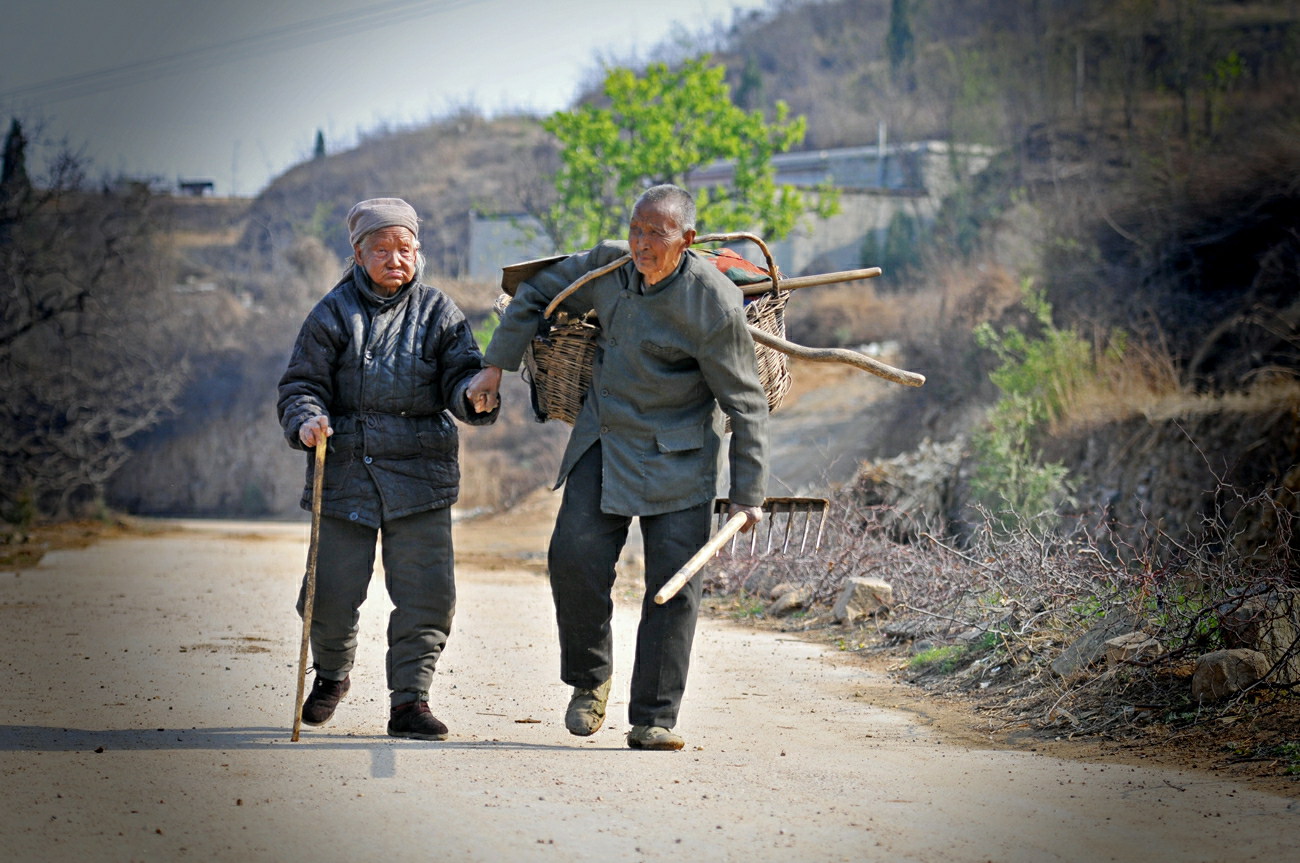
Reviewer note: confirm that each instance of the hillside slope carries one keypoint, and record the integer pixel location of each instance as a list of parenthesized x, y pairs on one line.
[(1183, 238)]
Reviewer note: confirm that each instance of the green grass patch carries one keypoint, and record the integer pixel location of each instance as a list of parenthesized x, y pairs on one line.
[(1287, 754), (747, 607), (945, 658)]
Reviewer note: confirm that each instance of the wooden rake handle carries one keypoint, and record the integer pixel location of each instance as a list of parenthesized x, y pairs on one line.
[(701, 557)]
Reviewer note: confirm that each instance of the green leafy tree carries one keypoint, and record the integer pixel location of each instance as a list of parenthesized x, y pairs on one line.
[(657, 128)]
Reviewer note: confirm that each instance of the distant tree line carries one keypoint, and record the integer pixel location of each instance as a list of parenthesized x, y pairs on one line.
[(989, 70)]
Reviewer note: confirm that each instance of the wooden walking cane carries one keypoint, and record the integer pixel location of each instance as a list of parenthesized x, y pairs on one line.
[(309, 593)]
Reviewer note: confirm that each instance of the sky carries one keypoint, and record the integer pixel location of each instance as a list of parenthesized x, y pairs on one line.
[(234, 91)]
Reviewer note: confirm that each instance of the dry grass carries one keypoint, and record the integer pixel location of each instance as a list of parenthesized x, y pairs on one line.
[(1132, 384), (502, 463), (1146, 382), (952, 299), (474, 296), (843, 315)]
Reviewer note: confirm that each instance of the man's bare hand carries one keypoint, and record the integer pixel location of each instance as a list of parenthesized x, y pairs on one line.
[(315, 431), (483, 390), (754, 514)]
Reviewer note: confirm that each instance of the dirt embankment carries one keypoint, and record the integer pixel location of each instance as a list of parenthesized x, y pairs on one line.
[(1202, 460)]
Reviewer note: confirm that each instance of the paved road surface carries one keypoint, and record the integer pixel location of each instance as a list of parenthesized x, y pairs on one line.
[(147, 704)]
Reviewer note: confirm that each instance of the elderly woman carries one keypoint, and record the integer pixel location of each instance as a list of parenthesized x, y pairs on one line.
[(380, 363)]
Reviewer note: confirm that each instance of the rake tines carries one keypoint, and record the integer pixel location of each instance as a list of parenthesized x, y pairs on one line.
[(785, 519), (790, 507)]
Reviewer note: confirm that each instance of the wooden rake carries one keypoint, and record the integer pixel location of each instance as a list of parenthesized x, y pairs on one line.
[(785, 521)]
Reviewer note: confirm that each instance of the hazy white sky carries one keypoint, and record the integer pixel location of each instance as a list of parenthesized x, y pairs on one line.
[(234, 90)]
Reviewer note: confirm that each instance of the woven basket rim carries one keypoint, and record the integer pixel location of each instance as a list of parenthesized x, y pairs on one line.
[(558, 363)]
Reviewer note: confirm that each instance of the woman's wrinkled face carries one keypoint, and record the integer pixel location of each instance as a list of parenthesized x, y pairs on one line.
[(389, 257), (657, 240)]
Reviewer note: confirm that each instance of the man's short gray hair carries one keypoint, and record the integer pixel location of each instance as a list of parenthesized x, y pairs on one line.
[(674, 196)]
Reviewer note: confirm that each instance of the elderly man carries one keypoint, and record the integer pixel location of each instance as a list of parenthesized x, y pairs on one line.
[(673, 347), (379, 364)]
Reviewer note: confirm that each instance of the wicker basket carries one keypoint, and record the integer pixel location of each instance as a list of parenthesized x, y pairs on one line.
[(558, 363)]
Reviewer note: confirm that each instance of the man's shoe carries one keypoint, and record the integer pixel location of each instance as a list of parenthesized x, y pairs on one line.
[(414, 721), (586, 711), (653, 737), (325, 696)]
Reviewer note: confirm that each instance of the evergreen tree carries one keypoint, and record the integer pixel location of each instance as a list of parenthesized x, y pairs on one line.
[(13, 174), (318, 152), (749, 94), (899, 43)]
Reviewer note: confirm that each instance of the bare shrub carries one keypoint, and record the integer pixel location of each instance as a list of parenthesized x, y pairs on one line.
[(1013, 602), (91, 356), (1180, 592)]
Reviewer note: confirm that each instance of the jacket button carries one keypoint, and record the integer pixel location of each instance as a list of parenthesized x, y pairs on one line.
[(604, 429), (604, 392), (369, 356), (352, 516), (613, 341), (369, 459)]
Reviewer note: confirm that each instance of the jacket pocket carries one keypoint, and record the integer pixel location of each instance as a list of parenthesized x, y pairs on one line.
[(437, 443), (677, 469), (668, 358), (343, 442), (683, 439)]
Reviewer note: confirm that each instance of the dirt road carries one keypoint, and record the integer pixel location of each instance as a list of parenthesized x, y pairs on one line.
[(147, 706)]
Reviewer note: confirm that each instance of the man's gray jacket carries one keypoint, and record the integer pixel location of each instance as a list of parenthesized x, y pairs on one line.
[(386, 370), (667, 356)]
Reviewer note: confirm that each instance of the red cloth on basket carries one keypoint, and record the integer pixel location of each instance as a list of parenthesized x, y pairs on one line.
[(733, 266)]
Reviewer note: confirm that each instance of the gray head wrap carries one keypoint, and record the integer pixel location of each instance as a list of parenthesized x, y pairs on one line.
[(369, 216)]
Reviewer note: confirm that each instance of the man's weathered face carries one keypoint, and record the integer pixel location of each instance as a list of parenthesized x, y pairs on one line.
[(657, 240), (388, 256)]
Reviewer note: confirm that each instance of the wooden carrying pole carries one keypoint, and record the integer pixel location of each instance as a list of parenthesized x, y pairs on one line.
[(751, 290), (701, 557), (796, 282), (309, 589)]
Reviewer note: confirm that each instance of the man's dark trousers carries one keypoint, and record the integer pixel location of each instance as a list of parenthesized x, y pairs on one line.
[(585, 545)]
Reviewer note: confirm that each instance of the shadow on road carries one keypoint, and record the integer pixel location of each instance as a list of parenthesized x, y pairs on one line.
[(38, 738)]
